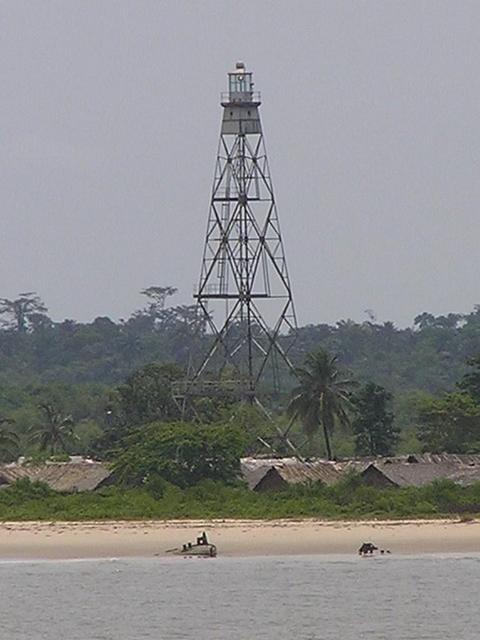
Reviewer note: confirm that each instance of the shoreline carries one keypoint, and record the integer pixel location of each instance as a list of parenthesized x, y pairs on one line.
[(33, 540)]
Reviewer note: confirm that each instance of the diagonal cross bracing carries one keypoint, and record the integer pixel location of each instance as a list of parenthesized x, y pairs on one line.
[(244, 288)]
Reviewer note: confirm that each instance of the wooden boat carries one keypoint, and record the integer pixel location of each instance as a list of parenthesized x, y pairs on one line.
[(202, 549)]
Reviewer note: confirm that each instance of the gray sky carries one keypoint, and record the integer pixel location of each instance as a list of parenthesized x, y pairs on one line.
[(110, 117)]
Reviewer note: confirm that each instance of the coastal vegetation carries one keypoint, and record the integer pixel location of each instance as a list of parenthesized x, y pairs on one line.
[(108, 390), (373, 425), (322, 397), (348, 499), (180, 453), (429, 356), (416, 388)]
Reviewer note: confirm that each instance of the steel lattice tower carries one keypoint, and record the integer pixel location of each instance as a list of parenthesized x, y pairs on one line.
[(244, 279)]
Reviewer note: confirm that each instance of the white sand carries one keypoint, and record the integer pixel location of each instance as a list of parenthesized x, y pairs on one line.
[(233, 537)]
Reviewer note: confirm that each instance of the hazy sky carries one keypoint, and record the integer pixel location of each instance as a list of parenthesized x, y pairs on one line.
[(110, 117)]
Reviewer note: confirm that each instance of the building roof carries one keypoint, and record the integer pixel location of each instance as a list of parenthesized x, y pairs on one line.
[(433, 458), (302, 472), (253, 476), (69, 477), (456, 458), (466, 475), (401, 471), (12, 472), (403, 474), (291, 470)]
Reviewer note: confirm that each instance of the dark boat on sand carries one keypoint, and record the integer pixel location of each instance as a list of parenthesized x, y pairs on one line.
[(369, 550), (202, 549)]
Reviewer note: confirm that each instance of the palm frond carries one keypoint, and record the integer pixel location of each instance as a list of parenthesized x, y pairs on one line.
[(322, 396)]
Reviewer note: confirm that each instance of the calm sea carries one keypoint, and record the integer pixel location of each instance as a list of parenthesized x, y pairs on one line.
[(268, 598)]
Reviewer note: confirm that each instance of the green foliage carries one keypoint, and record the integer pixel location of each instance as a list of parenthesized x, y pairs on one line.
[(251, 421), (470, 382), (406, 407), (86, 433), (25, 312), (20, 406), (180, 453), (41, 457), (430, 355), (408, 442), (450, 423), (9, 442), (157, 297), (348, 499), (77, 367), (322, 396), (24, 490), (56, 431), (147, 394), (373, 426)]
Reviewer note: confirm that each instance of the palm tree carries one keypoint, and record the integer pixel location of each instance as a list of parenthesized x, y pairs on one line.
[(8, 439), (56, 430), (322, 396)]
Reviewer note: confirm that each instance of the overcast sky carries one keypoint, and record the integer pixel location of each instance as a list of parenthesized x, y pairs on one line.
[(110, 117)]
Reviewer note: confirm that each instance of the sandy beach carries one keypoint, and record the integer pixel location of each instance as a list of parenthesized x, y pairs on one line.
[(43, 540)]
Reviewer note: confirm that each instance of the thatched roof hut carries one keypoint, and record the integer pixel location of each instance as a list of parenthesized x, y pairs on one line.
[(270, 474), (273, 474), (69, 477), (401, 474)]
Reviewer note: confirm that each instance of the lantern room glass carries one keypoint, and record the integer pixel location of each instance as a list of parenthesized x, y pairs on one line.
[(240, 85)]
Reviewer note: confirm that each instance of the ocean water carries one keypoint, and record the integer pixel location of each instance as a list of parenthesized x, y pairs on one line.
[(268, 598)]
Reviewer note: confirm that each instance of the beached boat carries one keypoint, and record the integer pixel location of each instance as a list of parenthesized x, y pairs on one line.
[(202, 548), (369, 550)]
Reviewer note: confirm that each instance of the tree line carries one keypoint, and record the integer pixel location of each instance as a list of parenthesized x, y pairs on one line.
[(360, 389), (141, 428), (430, 355)]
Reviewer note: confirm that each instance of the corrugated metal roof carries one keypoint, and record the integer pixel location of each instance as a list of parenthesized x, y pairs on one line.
[(406, 470), (254, 462), (70, 477), (434, 458), (60, 476), (457, 458), (253, 476), (303, 472), (292, 470), (416, 474), (11, 473), (466, 475), (355, 465)]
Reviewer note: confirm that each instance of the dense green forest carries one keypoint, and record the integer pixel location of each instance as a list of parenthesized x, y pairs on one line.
[(91, 383), (429, 356)]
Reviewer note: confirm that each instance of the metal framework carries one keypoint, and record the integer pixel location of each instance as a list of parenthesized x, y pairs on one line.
[(244, 292)]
